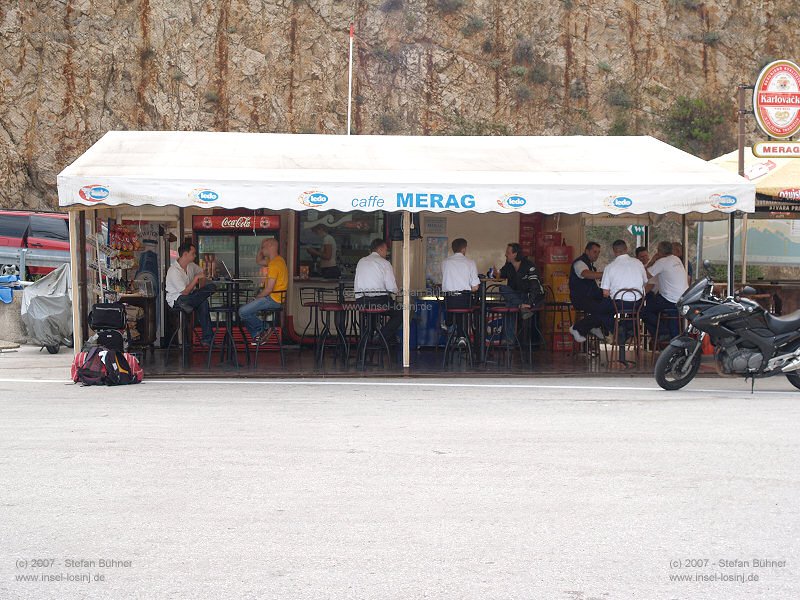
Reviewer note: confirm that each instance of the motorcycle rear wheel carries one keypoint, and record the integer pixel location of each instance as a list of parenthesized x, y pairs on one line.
[(669, 364), (794, 379)]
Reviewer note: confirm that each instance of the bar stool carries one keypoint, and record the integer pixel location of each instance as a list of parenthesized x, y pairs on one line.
[(510, 319), (669, 315), (330, 310), (371, 319), (349, 319), (271, 328), (310, 298), (227, 347), (627, 303), (560, 312), (458, 332), (592, 343), (184, 331)]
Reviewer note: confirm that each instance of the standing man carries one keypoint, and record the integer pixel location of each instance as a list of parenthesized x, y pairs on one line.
[(182, 278), (670, 274), (586, 296), (623, 273), (326, 254), (374, 281), (273, 295)]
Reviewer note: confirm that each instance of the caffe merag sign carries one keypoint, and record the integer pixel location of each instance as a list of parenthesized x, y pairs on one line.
[(776, 99)]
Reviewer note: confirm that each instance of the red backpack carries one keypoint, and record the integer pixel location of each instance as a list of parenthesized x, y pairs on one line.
[(101, 366)]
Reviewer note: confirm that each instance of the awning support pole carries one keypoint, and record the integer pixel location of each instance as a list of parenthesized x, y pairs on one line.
[(350, 80), (732, 217), (75, 270), (685, 242), (406, 289)]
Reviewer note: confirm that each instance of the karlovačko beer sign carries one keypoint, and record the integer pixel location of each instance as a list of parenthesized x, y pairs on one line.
[(776, 99)]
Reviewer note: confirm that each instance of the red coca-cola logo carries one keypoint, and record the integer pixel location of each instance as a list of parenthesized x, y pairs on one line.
[(235, 222)]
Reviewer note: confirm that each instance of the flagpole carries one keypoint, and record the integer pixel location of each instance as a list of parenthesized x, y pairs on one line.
[(350, 80)]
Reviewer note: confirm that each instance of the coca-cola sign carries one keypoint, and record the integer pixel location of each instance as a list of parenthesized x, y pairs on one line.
[(235, 223)]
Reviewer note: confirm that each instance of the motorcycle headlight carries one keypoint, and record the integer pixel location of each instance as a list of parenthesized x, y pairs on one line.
[(684, 309)]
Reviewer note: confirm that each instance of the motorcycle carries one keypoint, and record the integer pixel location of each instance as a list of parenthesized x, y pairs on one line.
[(47, 310), (748, 341)]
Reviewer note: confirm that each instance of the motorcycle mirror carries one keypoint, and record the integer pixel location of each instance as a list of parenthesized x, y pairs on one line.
[(747, 291)]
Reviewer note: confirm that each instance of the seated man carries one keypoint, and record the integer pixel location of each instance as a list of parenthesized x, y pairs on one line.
[(586, 296), (524, 289), (669, 272), (182, 278), (272, 296), (623, 273), (374, 281), (677, 250), (643, 256), (459, 278)]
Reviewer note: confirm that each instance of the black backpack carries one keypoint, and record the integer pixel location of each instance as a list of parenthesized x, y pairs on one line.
[(118, 371)]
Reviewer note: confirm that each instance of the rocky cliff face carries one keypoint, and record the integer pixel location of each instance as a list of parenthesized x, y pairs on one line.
[(70, 70)]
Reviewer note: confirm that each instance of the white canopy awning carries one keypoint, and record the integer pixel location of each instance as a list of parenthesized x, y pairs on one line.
[(483, 174)]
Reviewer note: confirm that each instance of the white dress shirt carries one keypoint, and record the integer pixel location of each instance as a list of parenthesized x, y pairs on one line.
[(624, 272), (459, 273), (671, 276), (178, 278), (374, 277)]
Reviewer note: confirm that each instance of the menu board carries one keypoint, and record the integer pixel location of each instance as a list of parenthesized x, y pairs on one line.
[(435, 253)]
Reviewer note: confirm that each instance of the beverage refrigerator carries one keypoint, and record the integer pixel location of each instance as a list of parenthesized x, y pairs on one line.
[(233, 240)]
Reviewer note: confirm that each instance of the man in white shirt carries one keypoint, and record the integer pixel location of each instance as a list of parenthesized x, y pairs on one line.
[(374, 281), (623, 273), (182, 278), (672, 280), (459, 277)]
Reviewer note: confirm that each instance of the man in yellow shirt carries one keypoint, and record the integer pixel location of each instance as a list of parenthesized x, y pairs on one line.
[(272, 296)]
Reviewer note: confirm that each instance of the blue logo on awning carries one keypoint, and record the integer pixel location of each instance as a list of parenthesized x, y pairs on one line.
[(207, 196)]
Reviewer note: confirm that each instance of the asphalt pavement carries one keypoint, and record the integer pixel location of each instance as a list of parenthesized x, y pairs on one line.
[(570, 489)]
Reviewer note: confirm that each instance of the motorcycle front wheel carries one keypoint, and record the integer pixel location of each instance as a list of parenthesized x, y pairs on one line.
[(669, 367), (794, 379)]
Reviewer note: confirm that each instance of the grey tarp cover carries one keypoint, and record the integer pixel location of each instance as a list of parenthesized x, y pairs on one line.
[(47, 308)]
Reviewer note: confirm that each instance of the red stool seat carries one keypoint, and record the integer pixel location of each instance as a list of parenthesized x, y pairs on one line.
[(332, 307), (503, 309)]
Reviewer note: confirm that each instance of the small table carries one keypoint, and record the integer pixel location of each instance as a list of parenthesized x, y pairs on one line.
[(229, 288)]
